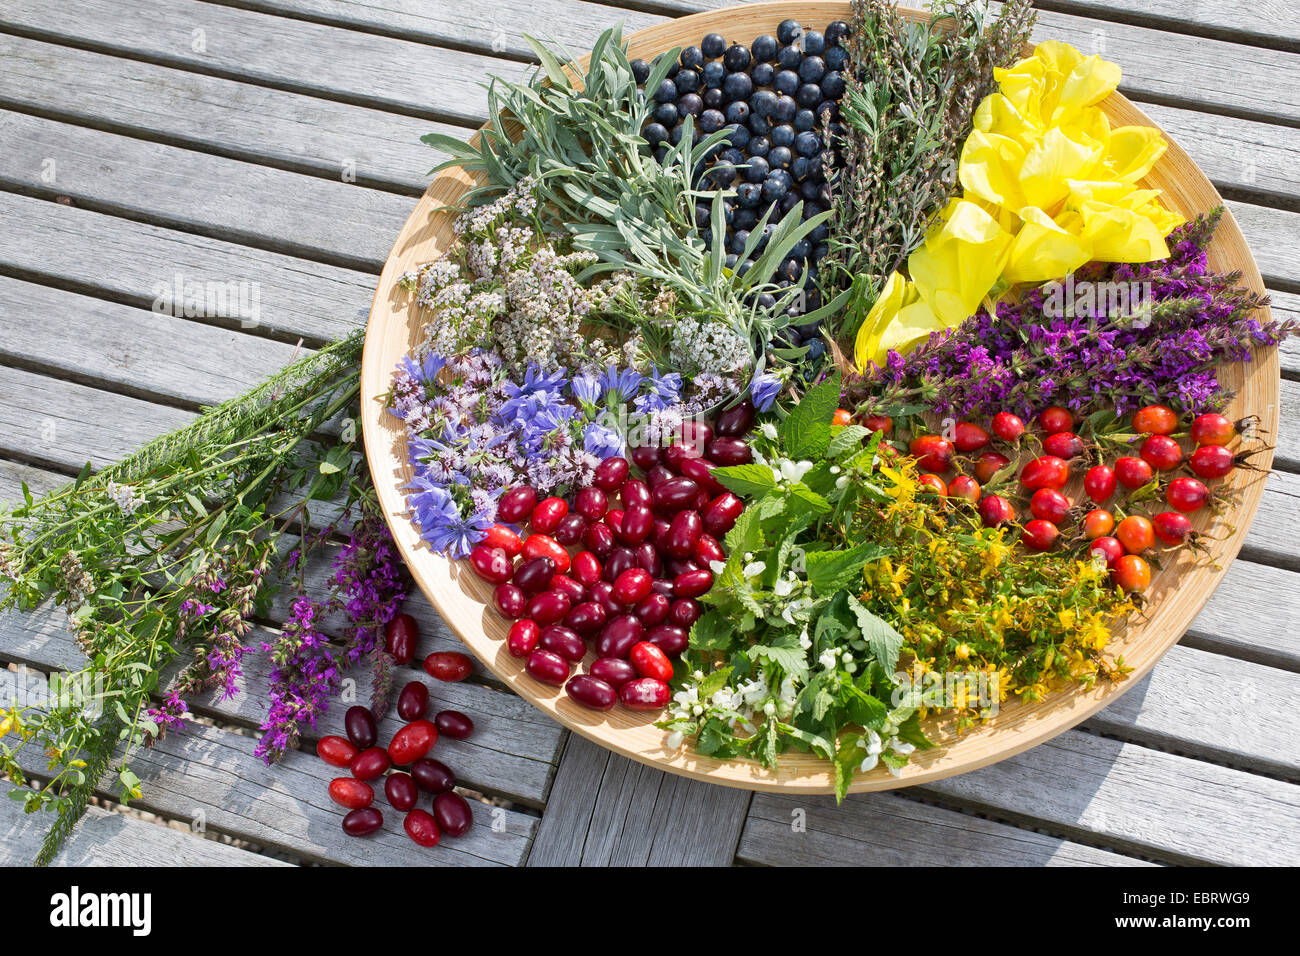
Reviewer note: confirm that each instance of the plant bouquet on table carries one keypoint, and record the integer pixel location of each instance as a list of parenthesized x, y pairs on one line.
[(749, 358)]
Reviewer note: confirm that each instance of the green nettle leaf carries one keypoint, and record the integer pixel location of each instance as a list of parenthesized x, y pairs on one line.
[(747, 481), (713, 631), (881, 638), (846, 438), (807, 500), (714, 682), (864, 708), (830, 571), (784, 651), (806, 431), (713, 736), (847, 760), (910, 731)]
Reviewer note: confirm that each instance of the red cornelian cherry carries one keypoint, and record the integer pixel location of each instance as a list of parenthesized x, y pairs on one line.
[(499, 536), (412, 742), (453, 814), (351, 793), (523, 637), (610, 473), (632, 586), (400, 637), (359, 823), (547, 514), (421, 827), (651, 661), (591, 692), (544, 546), (491, 564), (547, 667), (413, 701), (336, 751), (516, 504), (448, 666), (592, 502), (645, 693), (371, 763)]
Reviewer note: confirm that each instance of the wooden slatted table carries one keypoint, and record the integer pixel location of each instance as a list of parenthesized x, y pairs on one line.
[(274, 142)]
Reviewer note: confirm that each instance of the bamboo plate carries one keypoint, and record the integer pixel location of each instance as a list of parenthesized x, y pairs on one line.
[(1179, 591)]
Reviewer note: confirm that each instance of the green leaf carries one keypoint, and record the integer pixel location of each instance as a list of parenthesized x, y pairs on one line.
[(829, 571), (712, 631), (747, 481), (847, 760), (881, 638), (784, 651), (713, 736), (806, 431), (846, 438), (714, 681)]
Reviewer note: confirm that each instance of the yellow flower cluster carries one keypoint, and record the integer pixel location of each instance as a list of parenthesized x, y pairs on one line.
[(1048, 186)]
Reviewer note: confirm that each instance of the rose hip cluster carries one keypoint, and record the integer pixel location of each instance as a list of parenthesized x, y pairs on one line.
[(359, 753), (1121, 544), (617, 570)]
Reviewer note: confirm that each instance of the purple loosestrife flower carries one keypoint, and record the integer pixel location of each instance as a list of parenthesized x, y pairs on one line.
[(304, 677), (170, 715), (1098, 355)]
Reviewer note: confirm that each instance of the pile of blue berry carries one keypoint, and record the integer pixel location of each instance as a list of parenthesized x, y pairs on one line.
[(777, 98)]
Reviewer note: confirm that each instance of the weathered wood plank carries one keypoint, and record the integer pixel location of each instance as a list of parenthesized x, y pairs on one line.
[(103, 838), (294, 55), (216, 115), (130, 350), (512, 753), (137, 264), (884, 829), (305, 216), (1252, 160), (1211, 707), (353, 66), (209, 776), (1136, 801), (1254, 614), (1271, 235), (40, 421), (606, 810)]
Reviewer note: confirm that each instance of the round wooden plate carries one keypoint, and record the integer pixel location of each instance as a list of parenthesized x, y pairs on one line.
[(1178, 593)]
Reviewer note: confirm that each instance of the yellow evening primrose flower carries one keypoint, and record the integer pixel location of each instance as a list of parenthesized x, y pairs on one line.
[(1047, 186), (959, 262)]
